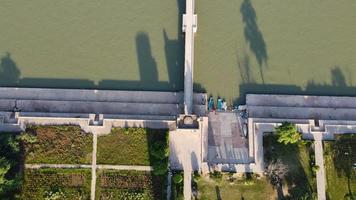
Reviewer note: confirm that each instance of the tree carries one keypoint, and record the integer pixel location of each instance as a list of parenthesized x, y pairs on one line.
[(287, 133), (4, 168)]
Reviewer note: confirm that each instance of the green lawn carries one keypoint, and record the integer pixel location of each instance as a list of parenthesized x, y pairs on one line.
[(122, 185), (116, 44), (276, 46), (69, 184), (341, 178), (59, 145), (129, 146), (300, 180), (209, 189)]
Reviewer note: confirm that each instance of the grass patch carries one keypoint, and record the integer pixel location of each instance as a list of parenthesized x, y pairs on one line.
[(114, 184), (300, 180), (58, 145), (132, 146), (228, 188), (66, 183), (341, 177)]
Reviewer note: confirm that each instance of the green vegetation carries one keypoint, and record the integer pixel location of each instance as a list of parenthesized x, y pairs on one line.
[(254, 46), (339, 155), (57, 145), (45, 184), (177, 185), (92, 45), (133, 146), (287, 133), (234, 188), (299, 181), (127, 185), (10, 166)]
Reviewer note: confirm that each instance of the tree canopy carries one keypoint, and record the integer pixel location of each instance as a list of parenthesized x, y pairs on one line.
[(288, 134)]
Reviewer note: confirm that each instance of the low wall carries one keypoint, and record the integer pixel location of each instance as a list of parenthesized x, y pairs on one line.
[(85, 121)]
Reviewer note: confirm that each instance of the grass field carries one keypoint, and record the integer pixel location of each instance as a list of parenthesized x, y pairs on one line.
[(116, 44), (276, 46), (68, 184), (300, 180), (112, 184), (341, 178), (131, 146), (227, 190), (59, 145)]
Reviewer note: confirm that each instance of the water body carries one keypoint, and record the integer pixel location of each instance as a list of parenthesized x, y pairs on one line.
[(276, 46), (112, 44), (242, 46)]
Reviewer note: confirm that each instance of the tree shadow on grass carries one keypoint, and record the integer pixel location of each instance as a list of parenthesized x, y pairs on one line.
[(344, 155), (297, 179), (158, 146)]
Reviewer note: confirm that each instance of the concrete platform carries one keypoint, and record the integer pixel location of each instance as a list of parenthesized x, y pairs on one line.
[(226, 142)]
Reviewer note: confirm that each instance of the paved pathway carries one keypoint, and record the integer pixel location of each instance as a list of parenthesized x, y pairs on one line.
[(319, 160), (187, 184), (189, 27), (93, 167)]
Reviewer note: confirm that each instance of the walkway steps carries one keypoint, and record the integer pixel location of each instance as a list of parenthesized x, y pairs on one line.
[(97, 95), (279, 112), (300, 101)]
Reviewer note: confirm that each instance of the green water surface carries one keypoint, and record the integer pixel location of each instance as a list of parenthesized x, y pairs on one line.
[(111, 44)]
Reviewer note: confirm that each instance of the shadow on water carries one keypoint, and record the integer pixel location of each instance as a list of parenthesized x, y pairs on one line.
[(338, 77), (10, 74), (146, 63), (253, 35)]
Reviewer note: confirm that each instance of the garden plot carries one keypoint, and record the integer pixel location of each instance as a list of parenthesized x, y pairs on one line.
[(57, 145)]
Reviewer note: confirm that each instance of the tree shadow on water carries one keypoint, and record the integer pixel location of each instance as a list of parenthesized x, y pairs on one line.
[(147, 64), (253, 35), (9, 72), (338, 77), (148, 69)]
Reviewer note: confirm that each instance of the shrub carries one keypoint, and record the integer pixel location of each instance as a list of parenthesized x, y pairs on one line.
[(249, 182), (216, 175), (27, 138), (287, 133), (177, 178), (315, 168), (55, 195)]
